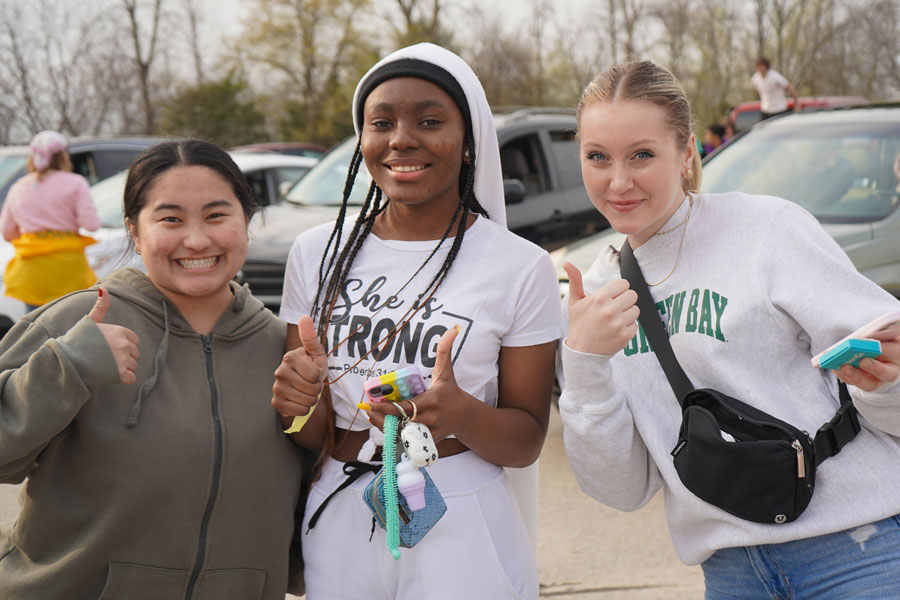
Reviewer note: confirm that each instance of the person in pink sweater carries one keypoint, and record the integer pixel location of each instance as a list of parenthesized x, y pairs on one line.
[(42, 215)]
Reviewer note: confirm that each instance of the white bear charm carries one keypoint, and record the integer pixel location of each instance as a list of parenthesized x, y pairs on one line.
[(418, 444)]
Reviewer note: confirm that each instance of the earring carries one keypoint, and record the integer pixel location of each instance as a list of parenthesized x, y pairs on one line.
[(689, 173), (137, 250), (466, 158)]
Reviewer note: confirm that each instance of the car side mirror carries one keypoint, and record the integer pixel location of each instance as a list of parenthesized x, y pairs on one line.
[(513, 191)]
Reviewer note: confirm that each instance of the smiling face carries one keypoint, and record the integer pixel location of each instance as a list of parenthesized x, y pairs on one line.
[(412, 140), (192, 235), (632, 165)]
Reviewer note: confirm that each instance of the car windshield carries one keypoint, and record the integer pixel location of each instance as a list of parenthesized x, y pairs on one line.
[(323, 185), (10, 165), (840, 173), (107, 195)]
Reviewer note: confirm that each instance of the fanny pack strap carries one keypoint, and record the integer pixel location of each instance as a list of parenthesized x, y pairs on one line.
[(830, 438), (652, 325)]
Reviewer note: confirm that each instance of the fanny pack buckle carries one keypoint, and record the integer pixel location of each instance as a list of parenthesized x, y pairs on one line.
[(842, 428)]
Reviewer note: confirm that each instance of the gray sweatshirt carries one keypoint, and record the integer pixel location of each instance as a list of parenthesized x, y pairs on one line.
[(759, 288), (181, 485)]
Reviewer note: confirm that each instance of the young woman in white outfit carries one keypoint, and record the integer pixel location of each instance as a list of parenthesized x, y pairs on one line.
[(427, 275)]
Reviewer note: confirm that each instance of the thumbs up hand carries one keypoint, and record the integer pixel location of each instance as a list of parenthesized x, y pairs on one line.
[(122, 341), (604, 321), (300, 378), (443, 408)]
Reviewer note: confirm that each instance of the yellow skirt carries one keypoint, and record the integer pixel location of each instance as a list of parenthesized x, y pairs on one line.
[(47, 265)]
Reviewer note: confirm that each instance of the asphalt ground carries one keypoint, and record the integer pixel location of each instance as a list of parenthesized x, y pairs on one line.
[(586, 551)]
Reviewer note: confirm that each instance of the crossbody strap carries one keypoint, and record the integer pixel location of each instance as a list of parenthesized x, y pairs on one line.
[(652, 325), (830, 438)]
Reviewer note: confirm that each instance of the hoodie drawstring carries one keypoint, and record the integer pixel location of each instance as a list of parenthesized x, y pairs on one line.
[(158, 361)]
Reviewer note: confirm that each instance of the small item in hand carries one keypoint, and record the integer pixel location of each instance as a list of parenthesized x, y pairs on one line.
[(413, 524), (850, 352), (402, 384), (411, 483), (884, 328), (418, 444)]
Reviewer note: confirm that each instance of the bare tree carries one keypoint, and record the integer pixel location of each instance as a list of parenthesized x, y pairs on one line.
[(17, 68), (631, 12), (194, 17), (421, 21), (144, 53), (313, 46), (676, 17)]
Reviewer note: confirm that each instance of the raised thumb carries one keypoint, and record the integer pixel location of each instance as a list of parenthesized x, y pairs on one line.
[(100, 306), (443, 361), (309, 339), (576, 285)]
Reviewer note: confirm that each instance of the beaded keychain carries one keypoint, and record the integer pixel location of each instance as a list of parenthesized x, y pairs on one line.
[(391, 503)]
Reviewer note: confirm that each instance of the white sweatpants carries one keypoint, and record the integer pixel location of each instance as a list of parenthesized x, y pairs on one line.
[(479, 549)]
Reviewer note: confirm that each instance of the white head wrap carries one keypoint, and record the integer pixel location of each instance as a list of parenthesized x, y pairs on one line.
[(488, 177), (43, 146)]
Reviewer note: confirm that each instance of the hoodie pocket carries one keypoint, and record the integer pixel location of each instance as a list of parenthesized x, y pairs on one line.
[(243, 584), (138, 582)]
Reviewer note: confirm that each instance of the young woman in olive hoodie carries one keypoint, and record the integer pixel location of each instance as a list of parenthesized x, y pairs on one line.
[(140, 412)]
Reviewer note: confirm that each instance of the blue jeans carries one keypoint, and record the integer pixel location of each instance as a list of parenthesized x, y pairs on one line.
[(855, 564)]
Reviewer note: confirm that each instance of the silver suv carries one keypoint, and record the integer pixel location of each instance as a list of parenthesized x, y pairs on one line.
[(545, 198)]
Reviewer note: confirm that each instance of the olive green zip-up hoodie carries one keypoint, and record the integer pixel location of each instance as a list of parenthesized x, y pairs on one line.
[(181, 485)]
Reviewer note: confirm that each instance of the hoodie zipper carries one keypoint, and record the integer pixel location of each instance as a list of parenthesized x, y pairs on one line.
[(217, 467)]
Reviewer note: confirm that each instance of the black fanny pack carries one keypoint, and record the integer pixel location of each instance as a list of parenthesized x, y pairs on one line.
[(730, 454)]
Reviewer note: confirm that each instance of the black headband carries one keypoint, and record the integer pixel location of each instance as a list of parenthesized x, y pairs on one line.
[(413, 67)]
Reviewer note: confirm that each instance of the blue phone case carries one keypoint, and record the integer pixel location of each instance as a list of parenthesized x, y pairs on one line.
[(850, 351)]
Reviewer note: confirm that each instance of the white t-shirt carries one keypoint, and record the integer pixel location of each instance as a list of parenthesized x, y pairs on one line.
[(759, 289), (502, 290), (771, 89)]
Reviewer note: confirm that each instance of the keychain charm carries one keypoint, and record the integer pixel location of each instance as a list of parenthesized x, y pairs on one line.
[(418, 444)]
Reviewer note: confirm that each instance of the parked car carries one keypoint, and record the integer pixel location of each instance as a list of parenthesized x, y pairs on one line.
[(545, 198), (295, 148), (266, 173), (838, 164), (747, 114), (94, 158)]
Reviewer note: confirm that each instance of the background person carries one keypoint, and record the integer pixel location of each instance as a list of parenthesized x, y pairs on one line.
[(773, 89), (750, 288), (713, 137), (428, 254), (140, 412), (41, 217)]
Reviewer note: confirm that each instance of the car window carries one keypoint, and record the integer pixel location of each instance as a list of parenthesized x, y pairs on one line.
[(83, 164), (10, 166), (841, 173), (285, 177), (108, 197), (521, 158), (259, 186), (746, 119), (324, 184), (109, 162), (564, 147)]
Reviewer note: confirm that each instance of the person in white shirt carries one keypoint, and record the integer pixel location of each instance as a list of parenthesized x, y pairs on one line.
[(773, 89), (749, 289), (426, 274)]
